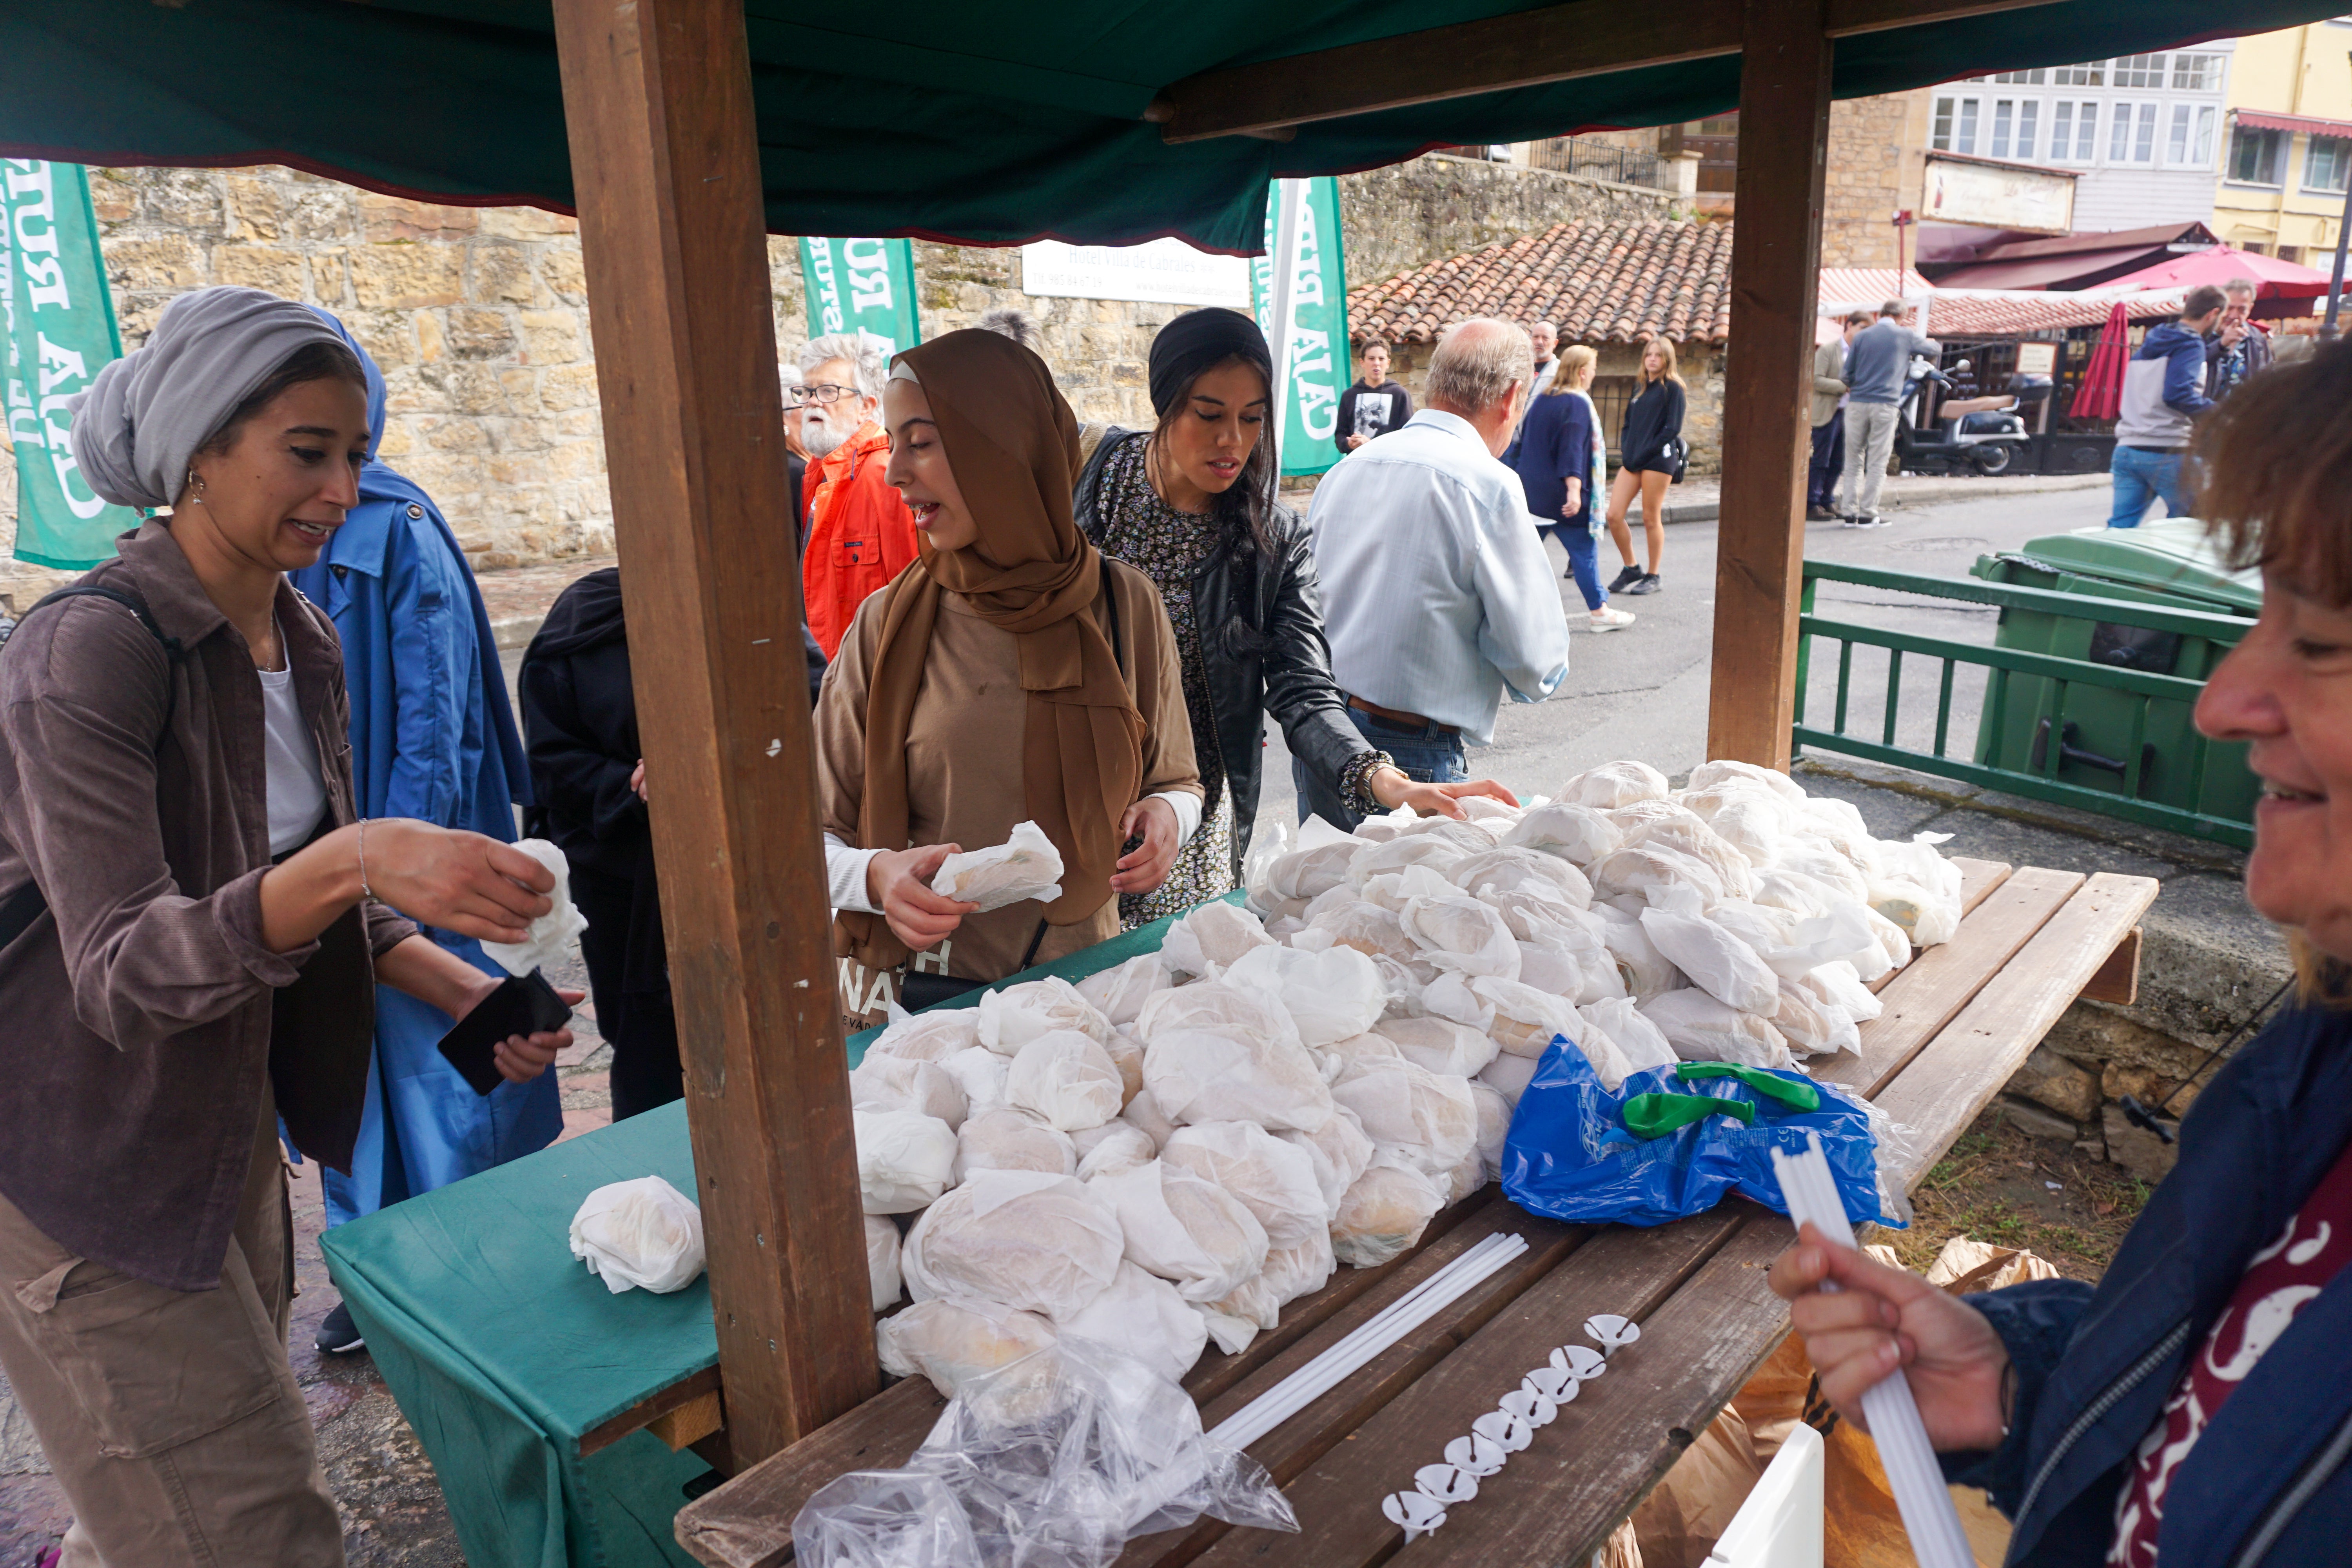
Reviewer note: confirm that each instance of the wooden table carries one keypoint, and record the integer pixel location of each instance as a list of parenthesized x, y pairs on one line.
[(1960, 1020)]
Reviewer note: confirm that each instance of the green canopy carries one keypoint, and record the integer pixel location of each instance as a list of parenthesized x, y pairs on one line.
[(981, 123)]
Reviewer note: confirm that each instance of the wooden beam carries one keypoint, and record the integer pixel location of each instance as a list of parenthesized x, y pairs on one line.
[(2118, 980), (1776, 246), (658, 98), (1526, 48)]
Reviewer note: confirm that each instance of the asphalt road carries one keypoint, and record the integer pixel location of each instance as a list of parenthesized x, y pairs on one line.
[(1642, 691)]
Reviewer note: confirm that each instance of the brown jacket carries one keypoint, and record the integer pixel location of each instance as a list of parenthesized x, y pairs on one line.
[(136, 1013)]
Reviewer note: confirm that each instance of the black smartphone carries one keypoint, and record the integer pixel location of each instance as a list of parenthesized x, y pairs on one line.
[(522, 1005)]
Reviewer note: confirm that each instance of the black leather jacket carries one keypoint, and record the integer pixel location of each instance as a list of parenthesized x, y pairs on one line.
[(1263, 651)]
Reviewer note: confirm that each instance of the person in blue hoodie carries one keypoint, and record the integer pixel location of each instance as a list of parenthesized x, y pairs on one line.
[(2164, 392), (432, 737), (2194, 1408)]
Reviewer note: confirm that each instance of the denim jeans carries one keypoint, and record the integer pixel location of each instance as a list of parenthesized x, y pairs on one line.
[(2141, 475), (1827, 463), (1427, 755), (1578, 541)]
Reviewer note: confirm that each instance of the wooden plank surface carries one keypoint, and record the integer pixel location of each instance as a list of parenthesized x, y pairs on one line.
[(1978, 880), (1776, 249), (1930, 992), (666, 161), (1967, 1061)]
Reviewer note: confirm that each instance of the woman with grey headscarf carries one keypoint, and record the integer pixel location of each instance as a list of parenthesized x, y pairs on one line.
[(191, 925)]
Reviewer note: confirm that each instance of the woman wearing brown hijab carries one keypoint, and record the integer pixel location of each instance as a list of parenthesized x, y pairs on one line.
[(1013, 673)]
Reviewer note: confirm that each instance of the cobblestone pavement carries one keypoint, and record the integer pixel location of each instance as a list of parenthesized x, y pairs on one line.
[(392, 1512)]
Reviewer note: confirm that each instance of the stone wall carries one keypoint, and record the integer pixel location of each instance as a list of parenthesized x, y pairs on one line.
[(479, 316), (1875, 169)]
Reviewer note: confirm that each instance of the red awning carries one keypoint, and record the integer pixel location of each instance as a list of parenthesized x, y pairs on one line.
[(2264, 120), (2038, 272)]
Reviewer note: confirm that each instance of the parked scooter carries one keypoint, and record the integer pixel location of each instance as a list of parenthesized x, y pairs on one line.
[(1970, 435)]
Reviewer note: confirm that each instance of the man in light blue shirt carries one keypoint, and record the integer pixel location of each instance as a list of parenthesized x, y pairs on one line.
[(1437, 598)]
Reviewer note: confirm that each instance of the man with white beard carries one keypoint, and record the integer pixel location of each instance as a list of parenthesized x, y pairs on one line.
[(860, 535)]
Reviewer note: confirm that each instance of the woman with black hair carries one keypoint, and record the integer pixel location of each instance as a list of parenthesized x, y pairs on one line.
[(1191, 503)]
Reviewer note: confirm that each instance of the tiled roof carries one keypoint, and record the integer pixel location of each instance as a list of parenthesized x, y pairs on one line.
[(1963, 315), (1601, 282)]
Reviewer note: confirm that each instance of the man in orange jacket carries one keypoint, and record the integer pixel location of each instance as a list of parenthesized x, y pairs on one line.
[(860, 535)]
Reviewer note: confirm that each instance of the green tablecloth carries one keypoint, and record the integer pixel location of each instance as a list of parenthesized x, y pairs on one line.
[(502, 1349)]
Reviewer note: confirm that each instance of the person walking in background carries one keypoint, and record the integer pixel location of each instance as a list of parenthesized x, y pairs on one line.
[(2164, 392), (1829, 421), (1876, 359), (1374, 405), (1544, 337), (2238, 346), (1439, 596), (1649, 451), (1193, 504), (433, 740), (1011, 322), (1560, 456), (860, 535)]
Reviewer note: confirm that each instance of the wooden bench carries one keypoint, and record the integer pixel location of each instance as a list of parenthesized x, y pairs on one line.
[(1960, 1020)]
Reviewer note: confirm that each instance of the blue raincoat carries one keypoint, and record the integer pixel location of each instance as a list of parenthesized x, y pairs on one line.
[(432, 737)]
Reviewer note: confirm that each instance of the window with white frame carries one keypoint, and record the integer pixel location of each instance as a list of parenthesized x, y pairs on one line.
[(2022, 79), (2326, 162), (2188, 145), (2131, 133), (2139, 70), (1955, 126), (2196, 73), (2074, 131), (2254, 155), (2094, 74)]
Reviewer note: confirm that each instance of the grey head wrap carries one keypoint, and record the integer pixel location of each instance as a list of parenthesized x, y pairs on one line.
[(137, 428)]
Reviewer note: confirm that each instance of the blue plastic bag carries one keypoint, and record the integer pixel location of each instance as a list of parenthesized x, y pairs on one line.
[(1569, 1157)]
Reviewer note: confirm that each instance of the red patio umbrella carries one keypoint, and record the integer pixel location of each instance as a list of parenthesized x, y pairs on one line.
[(2279, 280), (2100, 393)]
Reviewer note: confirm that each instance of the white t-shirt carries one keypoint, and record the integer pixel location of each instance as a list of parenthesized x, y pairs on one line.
[(298, 791)]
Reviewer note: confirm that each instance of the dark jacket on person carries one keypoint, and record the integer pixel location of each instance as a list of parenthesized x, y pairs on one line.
[(2266, 1482), (144, 1014), (1262, 646), (2258, 357), (1390, 406), (1555, 446), (1654, 418)]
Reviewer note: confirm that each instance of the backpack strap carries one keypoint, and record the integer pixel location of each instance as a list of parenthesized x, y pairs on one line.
[(25, 905)]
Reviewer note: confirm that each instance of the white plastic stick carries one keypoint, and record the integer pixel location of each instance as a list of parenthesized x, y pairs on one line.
[(1934, 1525), (1385, 1327)]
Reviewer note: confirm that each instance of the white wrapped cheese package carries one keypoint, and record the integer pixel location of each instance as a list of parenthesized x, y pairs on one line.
[(1115, 1146), (950, 1340), (642, 1233), (1143, 1316), (1694, 840), (1025, 866), (1812, 1026), (929, 1037), (904, 1083), (1318, 865), (1439, 1044), (1642, 869), (1566, 831), (1339, 1153), (1274, 1180), (1383, 1213), (1292, 1272), (1125, 1049), (1583, 976), (882, 1262), (1717, 961), (980, 1073), (1197, 1076), (1329, 996), (1702, 1029), (1211, 937), (1918, 889), (1219, 1008), (1027, 1239), (1457, 932), (1525, 1018), (1432, 854), (1360, 924), (1494, 1126), (1198, 1236), (1428, 1120), (1840, 984), (1509, 1076), (1144, 1113), (1066, 1080), (1119, 993), (904, 1159), (1449, 997), (1708, 774), (1465, 1178), (545, 938), (1009, 1140), (1643, 970), (1501, 870), (1639, 1041), (1011, 1018), (1614, 784)]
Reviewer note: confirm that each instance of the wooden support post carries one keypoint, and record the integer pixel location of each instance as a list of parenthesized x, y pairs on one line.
[(658, 96), (1784, 117)]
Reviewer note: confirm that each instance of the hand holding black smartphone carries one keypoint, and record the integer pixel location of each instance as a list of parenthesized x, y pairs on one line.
[(522, 1005)]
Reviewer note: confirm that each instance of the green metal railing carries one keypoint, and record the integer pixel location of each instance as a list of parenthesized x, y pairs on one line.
[(2013, 675)]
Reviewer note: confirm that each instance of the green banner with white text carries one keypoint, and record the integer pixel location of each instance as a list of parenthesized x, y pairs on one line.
[(862, 285), (59, 323), (1300, 289)]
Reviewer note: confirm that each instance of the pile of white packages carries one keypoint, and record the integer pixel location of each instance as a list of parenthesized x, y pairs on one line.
[(1169, 1153)]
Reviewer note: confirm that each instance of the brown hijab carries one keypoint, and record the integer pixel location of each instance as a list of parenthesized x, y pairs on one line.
[(1014, 444)]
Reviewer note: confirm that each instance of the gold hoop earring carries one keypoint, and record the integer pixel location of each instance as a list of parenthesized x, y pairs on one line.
[(196, 483)]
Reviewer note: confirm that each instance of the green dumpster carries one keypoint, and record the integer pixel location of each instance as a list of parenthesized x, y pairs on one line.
[(2170, 563)]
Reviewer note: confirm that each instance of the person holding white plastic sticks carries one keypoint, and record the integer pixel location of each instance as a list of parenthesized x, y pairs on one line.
[(2195, 1407)]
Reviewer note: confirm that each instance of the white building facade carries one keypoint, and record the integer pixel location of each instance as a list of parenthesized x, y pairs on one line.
[(2145, 132)]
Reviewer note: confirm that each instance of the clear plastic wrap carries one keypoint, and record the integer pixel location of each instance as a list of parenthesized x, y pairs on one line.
[(1025, 866), (1027, 1239), (1053, 1461)]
